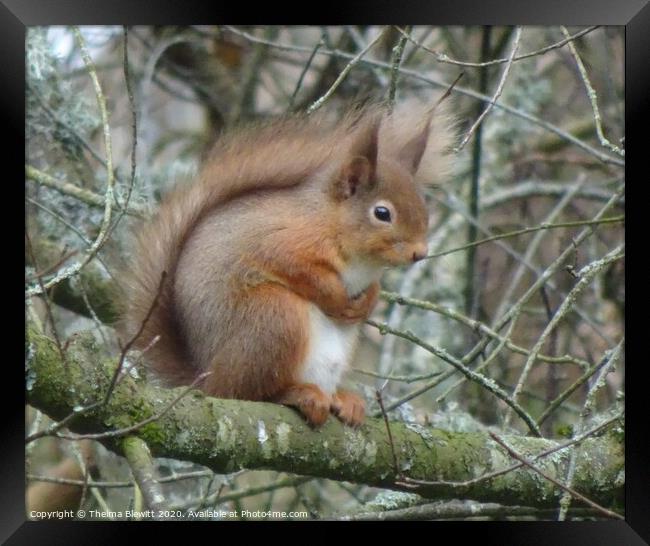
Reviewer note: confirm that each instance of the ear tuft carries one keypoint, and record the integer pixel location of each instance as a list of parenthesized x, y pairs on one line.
[(366, 141), (360, 167), (421, 139), (411, 153)]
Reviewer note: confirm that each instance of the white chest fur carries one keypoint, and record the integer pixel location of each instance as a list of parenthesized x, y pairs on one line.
[(330, 349), (331, 344)]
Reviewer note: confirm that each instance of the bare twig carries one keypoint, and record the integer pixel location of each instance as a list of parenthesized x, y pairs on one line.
[(588, 407), (491, 475), (534, 188), (305, 69), (485, 382), (55, 427), (46, 299), (380, 401), (496, 95), (586, 275), (396, 60), (319, 102), (108, 196), (477, 326), (444, 58), (130, 342), (139, 457), (216, 498), (461, 510), (555, 404), (65, 256), (516, 233), (119, 484), (78, 281), (455, 204), (544, 278), (415, 74), (593, 98), (572, 492), (134, 132), (401, 378), (81, 194)]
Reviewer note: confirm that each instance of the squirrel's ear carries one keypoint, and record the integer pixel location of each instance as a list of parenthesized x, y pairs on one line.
[(411, 153), (359, 170)]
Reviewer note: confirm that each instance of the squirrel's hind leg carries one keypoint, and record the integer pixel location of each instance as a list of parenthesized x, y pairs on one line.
[(348, 407), (262, 355)]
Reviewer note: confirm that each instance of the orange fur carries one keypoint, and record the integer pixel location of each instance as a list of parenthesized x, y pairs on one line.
[(278, 223), (348, 407)]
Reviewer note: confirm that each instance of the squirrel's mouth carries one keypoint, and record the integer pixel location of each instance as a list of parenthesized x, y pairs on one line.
[(402, 254)]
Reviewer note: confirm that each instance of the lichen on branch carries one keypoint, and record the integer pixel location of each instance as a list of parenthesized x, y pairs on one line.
[(227, 435)]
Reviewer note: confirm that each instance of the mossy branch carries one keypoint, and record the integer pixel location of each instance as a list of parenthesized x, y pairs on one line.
[(101, 291), (227, 435)]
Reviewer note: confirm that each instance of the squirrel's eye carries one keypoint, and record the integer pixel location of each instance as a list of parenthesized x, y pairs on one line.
[(382, 213)]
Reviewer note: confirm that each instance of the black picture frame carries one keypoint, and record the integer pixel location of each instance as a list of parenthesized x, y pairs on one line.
[(16, 15)]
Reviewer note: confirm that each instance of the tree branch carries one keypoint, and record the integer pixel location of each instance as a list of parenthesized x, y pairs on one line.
[(226, 435)]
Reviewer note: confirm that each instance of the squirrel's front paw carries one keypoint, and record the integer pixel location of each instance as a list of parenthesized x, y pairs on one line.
[(349, 408), (359, 308)]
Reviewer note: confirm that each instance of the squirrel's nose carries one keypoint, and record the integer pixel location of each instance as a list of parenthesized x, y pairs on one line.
[(420, 252)]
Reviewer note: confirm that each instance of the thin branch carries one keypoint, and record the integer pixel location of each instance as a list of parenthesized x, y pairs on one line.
[(396, 60), (108, 196), (119, 484), (544, 278), (533, 188), (72, 190), (217, 499), (319, 102), (78, 281), (543, 454), (476, 326), (531, 248), (496, 95), (587, 409), (249, 76), (139, 458), (305, 69), (593, 98), (380, 401), (55, 427), (485, 382), (134, 338), (134, 132), (444, 58), (401, 378), (555, 404), (605, 158), (454, 204), (555, 482), (586, 275), (46, 299), (462, 510)]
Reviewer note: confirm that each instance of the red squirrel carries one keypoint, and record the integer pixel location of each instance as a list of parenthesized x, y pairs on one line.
[(262, 269)]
